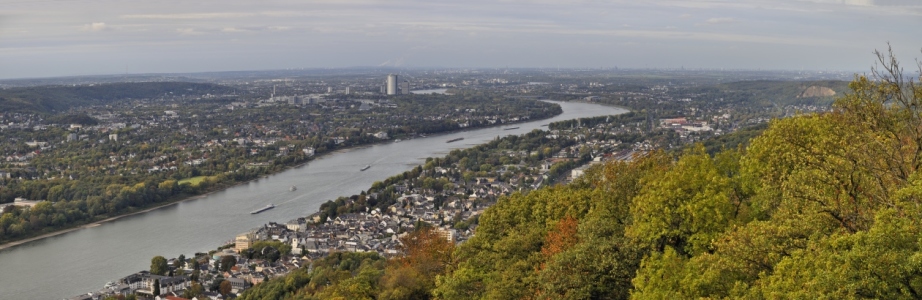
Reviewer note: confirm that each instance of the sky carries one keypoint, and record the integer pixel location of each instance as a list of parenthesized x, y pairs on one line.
[(47, 38)]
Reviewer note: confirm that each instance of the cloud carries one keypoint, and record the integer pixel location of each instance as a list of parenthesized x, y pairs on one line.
[(720, 20), (234, 30), (844, 2), (188, 31), (234, 15), (95, 26), (194, 16), (859, 2), (685, 16)]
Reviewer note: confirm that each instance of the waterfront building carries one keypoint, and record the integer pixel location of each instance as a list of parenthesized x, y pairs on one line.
[(243, 241)]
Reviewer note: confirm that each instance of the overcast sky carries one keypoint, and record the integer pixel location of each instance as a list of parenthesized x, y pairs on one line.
[(41, 38)]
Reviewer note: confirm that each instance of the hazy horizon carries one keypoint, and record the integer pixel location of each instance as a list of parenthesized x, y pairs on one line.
[(384, 70), (41, 39)]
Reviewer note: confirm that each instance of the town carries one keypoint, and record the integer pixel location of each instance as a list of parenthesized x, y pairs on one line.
[(184, 144)]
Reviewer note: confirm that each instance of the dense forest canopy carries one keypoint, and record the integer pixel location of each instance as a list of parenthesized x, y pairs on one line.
[(816, 206)]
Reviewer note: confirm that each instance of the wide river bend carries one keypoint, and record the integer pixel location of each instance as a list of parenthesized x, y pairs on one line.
[(83, 260)]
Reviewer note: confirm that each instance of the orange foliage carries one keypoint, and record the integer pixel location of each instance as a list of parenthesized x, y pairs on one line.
[(426, 251), (561, 237)]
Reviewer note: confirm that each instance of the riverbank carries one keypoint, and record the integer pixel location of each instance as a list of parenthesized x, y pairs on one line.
[(110, 219), (90, 225)]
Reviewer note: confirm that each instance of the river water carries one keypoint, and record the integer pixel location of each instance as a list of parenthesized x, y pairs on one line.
[(432, 91), (83, 260)]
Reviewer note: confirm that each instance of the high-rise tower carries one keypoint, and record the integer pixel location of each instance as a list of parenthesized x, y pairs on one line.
[(392, 84)]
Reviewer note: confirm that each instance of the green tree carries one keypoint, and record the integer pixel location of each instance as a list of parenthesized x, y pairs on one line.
[(193, 291), (882, 262), (686, 208), (228, 262), (158, 265)]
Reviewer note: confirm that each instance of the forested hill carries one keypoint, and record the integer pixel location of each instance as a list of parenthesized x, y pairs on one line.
[(784, 92), (767, 93), (51, 99), (817, 206)]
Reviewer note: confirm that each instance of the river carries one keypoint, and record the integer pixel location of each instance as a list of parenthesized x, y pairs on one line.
[(432, 91), (83, 260)]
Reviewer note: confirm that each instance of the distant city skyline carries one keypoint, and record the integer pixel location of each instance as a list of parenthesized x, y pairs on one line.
[(96, 37)]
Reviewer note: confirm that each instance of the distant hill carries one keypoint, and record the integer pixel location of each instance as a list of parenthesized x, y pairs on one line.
[(53, 99), (787, 92), (82, 119)]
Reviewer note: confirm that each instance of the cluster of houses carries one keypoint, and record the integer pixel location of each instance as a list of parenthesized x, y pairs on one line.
[(683, 126), (376, 230), (244, 274)]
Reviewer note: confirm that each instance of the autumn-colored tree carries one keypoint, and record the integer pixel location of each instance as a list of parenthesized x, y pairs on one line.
[(426, 251), (561, 237), (225, 288), (424, 255)]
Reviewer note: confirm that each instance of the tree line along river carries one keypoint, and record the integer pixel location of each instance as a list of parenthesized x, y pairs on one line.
[(83, 260)]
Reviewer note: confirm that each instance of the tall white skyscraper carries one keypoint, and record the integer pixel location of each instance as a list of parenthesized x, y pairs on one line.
[(392, 84)]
